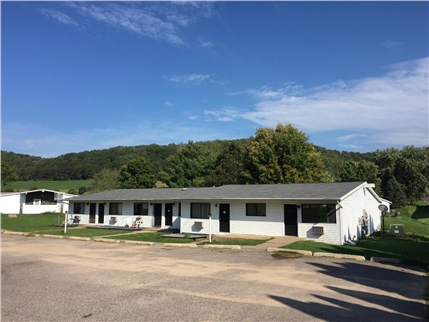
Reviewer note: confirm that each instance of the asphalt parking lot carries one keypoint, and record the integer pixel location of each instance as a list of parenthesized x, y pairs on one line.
[(68, 280)]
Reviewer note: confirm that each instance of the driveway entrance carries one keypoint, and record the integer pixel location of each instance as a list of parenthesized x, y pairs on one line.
[(95, 281)]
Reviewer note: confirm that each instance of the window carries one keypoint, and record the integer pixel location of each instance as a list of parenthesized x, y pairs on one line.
[(141, 209), (79, 208), (200, 210), (319, 214), (115, 208), (256, 209)]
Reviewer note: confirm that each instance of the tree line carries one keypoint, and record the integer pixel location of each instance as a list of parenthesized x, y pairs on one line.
[(274, 155)]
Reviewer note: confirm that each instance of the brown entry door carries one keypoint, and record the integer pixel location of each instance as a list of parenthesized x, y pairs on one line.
[(157, 213), (101, 213), (168, 214), (92, 208), (224, 217), (291, 220)]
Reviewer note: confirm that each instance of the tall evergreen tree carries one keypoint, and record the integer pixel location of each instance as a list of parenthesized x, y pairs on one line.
[(7, 174), (229, 166), (395, 193), (189, 167)]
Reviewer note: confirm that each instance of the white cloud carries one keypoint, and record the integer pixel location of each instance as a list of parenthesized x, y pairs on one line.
[(205, 43), (162, 21), (59, 16), (226, 114), (392, 44), (194, 78), (392, 107), (166, 103), (197, 79), (204, 8), (130, 18), (351, 137)]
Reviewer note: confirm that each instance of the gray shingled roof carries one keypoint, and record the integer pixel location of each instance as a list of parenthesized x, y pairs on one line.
[(297, 191)]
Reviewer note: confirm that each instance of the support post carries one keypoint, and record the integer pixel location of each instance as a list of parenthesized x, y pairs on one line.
[(65, 222), (210, 228)]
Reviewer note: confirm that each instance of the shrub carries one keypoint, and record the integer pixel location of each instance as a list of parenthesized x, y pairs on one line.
[(81, 190)]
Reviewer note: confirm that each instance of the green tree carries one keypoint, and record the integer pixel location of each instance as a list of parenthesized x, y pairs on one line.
[(189, 167), (81, 190), (229, 166), (395, 193), (105, 180), (137, 173), (361, 171), (7, 174), (409, 166), (283, 155)]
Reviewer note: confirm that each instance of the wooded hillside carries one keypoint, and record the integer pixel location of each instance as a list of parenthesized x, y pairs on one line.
[(274, 155), (83, 165)]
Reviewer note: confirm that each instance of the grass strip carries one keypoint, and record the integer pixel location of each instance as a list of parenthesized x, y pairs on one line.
[(27, 223), (409, 251), (80, 232), (155, 237)]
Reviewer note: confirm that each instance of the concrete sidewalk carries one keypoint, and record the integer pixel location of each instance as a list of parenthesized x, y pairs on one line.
[(274, 242)]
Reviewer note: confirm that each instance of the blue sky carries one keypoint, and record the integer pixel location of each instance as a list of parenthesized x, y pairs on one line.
[(80, 76)]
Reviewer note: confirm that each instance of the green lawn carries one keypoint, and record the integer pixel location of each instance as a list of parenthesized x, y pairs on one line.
[(27, 223), (154, 237), (415, 219), (375, 246), (50, 185), (80, 232), (42, 224)]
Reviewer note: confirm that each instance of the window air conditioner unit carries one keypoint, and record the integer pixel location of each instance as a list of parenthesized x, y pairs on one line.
[(199, 225), (317, 230)]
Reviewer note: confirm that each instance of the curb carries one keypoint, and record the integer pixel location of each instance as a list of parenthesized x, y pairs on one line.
[(284, 250), (341, 256), (107, 240), (79, 238), (222, 246), (51, 236), (180, 245), (385, 260), (136, 242), (9, 232)]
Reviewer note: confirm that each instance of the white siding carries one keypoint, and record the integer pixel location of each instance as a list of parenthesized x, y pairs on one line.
[(187, 224), (9, 203), (331, 232), (270, 225), (354, 207), (128, 215), (40, 209), (12, 204)]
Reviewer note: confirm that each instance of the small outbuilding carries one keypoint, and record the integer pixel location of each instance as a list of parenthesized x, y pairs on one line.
[(328, 212), (34, 202)]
